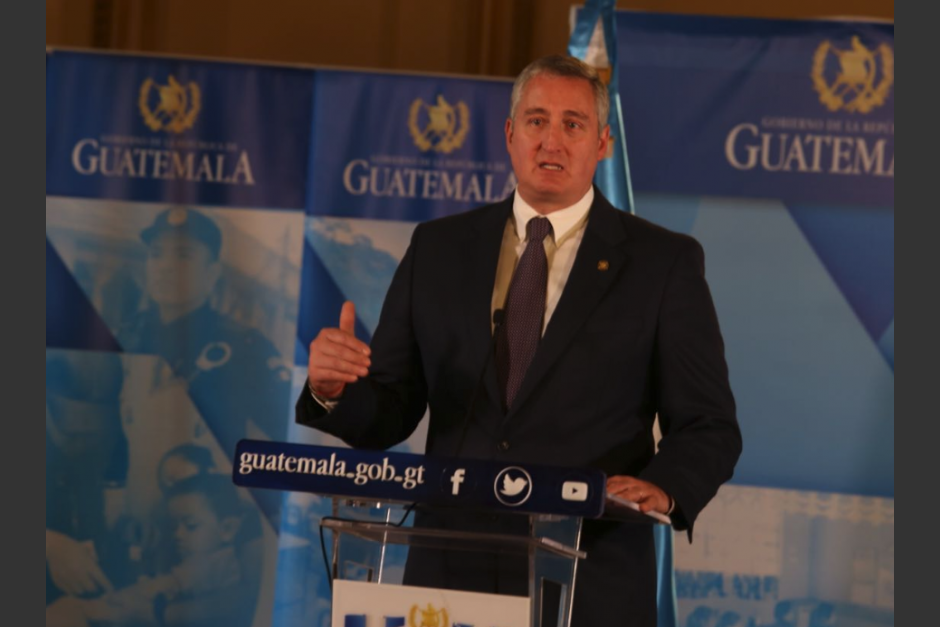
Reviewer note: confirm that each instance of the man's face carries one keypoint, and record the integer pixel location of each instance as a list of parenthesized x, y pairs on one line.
[(554, 143), (180, 270)]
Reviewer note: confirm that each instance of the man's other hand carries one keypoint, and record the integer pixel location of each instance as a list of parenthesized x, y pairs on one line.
[(337, 358), (649, 497)]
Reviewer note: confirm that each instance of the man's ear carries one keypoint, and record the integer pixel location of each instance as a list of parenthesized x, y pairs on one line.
[(508, 131), (603, 144)]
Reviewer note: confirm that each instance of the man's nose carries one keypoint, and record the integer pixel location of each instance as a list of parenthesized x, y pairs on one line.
[(553, 137)]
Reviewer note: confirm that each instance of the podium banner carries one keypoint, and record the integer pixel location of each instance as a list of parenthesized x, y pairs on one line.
[(355, 604), (470, 483)]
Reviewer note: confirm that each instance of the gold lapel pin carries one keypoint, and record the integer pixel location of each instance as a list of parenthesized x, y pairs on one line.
[(603, 265)]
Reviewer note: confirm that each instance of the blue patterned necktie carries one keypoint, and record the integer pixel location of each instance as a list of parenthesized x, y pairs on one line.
[(521, 332)]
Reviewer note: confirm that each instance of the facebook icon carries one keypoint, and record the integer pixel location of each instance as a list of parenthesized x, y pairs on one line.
[(456, 479)]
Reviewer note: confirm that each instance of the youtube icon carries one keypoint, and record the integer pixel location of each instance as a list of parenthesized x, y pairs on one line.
[(574, 491)]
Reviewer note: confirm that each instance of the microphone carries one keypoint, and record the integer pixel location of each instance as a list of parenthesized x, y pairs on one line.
[(498, 317)]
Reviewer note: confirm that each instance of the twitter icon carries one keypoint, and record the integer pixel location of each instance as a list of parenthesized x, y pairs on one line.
[(513, 486)]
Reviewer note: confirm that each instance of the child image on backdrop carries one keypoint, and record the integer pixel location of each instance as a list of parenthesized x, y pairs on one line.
[(180, 464), (184, 462), (214, 581)]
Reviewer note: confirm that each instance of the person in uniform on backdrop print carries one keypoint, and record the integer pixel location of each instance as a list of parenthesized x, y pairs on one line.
[(232, 371)]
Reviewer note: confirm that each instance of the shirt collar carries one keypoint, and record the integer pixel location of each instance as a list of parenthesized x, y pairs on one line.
[(562, 220)]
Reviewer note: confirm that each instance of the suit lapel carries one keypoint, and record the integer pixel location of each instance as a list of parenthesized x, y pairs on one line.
[(482, 259), (599, 261)]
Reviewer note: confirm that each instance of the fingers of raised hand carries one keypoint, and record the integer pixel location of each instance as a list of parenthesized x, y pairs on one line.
[(347, 318), (340, 356)]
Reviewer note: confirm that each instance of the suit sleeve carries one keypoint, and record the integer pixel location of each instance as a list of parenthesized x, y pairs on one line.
[(701, 438), (383, 409)]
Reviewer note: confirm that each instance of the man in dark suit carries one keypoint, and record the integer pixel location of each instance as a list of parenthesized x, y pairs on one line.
[(622, 328)]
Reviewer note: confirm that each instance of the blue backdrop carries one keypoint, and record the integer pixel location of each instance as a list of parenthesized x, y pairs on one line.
[(205, 220)]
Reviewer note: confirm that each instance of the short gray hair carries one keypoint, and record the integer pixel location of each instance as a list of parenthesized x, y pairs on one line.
[(566, 67)]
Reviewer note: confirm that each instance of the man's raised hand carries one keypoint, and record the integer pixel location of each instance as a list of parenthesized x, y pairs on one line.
[(337, 358)]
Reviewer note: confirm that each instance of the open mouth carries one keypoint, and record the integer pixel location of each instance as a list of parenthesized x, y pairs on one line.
[(552, 167)]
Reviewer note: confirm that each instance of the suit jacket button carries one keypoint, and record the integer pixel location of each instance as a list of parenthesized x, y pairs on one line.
[(503, 446)]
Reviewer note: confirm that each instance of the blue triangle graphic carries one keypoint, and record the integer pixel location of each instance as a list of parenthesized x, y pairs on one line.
[(815, 393), (856, 245), (361, 267), (886, 344), (71, 320), (676, 213), (320, 304)]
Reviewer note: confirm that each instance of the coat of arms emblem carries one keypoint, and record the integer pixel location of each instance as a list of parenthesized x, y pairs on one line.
[(172, 107), (856, 80), (430, 617), (440, 127)]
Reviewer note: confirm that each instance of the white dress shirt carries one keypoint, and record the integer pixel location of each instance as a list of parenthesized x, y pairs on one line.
[(560, 249)]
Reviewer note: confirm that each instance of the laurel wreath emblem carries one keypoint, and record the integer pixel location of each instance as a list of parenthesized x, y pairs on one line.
[(178, 107), (450, 136), (866, 99), (431, 617)]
